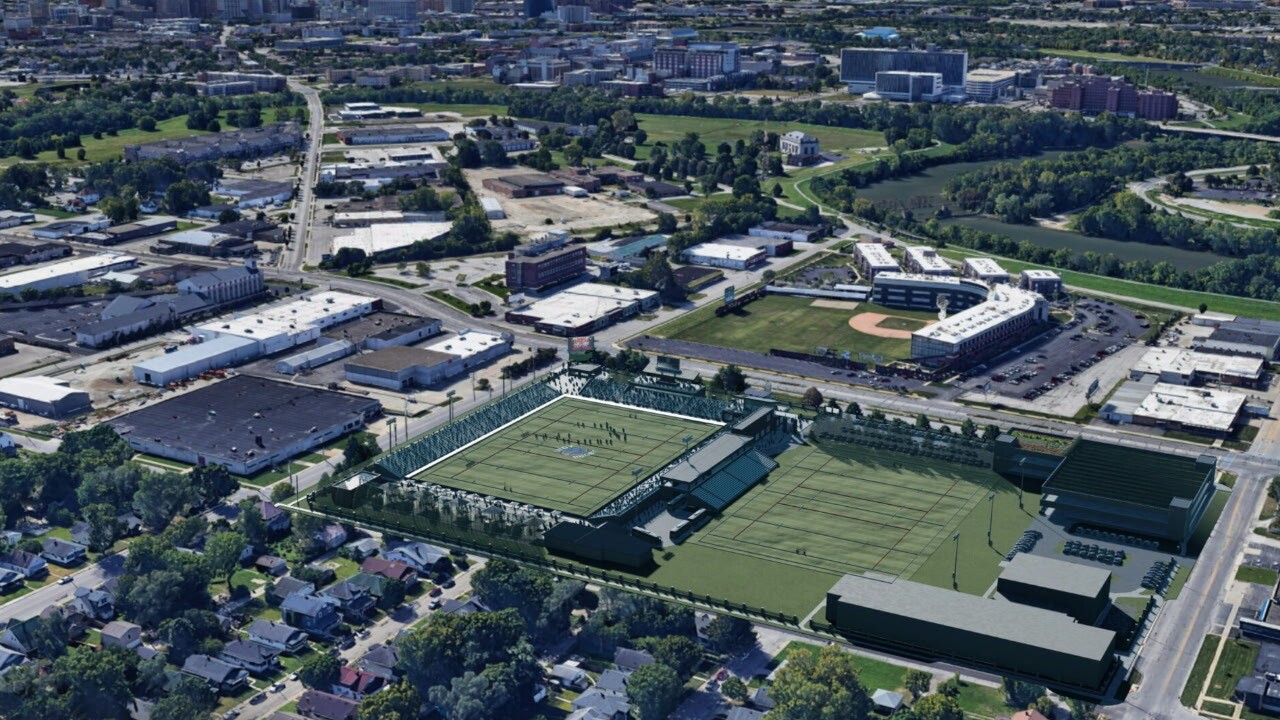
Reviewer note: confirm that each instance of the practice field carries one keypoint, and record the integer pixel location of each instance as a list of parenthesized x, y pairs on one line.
[(798, 324), (842, 508), (573, 455), (713, 131)]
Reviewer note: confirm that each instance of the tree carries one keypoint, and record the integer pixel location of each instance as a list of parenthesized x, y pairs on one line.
[(991, 432), (320, 671), (574, 155), (745, 186), (730, 635), (104, 527), (280, 492), (666, 223), (49, 636), (212, 483), (228, 216), (184, 196), (223, 552), (160, 496), (1020, 694), (769, 275), (1204, 308), (640, 136), (655, 689), (821, 687), (466, 698), (922, 421), (937, 707), (734, 689), (492, 153), (812, 398), (251, 525), (730, 379), (777, 190), (917, 682), (146, 123), (678, 652), (189, 697), (968, 428), (397, 702), (81, 154), (96, 682), (466, 153), (501, 584), (854, 409)]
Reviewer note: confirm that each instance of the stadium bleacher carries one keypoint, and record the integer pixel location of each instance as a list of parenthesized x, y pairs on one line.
[(688, 406), (728, 484)]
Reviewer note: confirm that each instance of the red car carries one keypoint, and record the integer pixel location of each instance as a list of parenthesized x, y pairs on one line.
[(435, 591)]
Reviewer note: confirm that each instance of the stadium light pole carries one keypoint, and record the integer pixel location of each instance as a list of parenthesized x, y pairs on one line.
[(391, 423), (449, 397), (1022, 480), (955, 566), (991, 518)]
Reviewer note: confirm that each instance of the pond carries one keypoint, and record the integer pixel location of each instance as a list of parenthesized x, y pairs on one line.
[(924, 189)]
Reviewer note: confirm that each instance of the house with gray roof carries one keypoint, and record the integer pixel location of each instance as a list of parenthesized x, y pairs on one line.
[(254, 657), (313, 614), (222, 677), (278, 635)]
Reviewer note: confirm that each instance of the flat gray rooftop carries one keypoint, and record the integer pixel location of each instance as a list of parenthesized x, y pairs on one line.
[(1057, 575)]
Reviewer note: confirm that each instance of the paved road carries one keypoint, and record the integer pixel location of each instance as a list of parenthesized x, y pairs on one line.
[(297, 253), (381, 632), (31, 604), (1221, 133)]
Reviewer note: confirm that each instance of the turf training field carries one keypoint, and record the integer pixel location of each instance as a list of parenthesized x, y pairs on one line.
[(845, 508), (797, 324), (573, 455)]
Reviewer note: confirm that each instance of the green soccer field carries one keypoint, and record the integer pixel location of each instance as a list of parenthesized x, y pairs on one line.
[(844, 508), (573, 455)]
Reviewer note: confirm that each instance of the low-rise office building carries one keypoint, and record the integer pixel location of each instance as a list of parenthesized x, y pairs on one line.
[(925, 261), (986, 270), (583, 309), (1046, 282), (401, 367), (734, 257), (1008, 316), (69, 273), (1180, 366), (873, 258), (392, 135)]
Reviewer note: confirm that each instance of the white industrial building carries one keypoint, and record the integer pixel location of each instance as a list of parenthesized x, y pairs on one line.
[(239, 338), (988, 85), (492, 208), (1008, 315), (722, 255), (1181, 366), (873, 259), (583, 309), (44, 396), (986, 270), (399, 367), (926, 261), (1176, 407), (68, 273), (385, 237), (325, 352)]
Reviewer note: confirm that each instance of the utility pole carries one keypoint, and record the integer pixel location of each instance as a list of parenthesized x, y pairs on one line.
[(991, 518), (955, 566)]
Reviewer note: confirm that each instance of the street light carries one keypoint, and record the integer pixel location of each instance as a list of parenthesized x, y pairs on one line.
[(391, 423), (991, 499), (1022, 479), (955, 566), (449, 397)]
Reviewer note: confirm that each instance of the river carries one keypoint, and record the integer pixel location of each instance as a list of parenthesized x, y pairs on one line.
[(927, 186)]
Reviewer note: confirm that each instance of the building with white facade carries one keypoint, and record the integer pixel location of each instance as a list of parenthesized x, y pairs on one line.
[(400, 367), (986, 270), (583, 309), (873, 258), (1180, 366), (988, 85), (69, 273), (926, 261), (1008, 315), (799, 148), (734, 257)]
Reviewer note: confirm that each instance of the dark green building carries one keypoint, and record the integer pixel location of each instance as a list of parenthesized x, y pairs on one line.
[(1080, 591)]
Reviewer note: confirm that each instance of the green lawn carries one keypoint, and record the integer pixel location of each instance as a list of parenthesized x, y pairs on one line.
[(794, 323), (573, 455), (1175, 585), (272, 475), (1200, 670), (873, 673), (981, 700), (1257, 575), (713, 131), (1189, 299), (1089, 56), (1237, 660)]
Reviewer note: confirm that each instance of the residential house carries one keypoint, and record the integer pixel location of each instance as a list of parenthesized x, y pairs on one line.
[(744, 713), (629, 659), (11, 581), (277, 520), (96, 604), (613, 680), (570, 675), (356, 602), (391, 570), (363, 548), (271, 565), (254, 657), (17, 636), (331, 536), (222, 677), (287, 586), (313, 614), (357, 684), (381, 660), (119, 633), (326, 706), (278, 635), (375, 585), (420, 556), (609, 705), (63, 552), (10, 659), (31, 566)]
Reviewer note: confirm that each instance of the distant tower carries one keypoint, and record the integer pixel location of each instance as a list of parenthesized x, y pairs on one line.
[(943, 301)]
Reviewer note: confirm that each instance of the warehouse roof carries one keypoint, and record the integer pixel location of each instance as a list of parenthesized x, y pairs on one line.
[(241, 417), (1142, 477), (1184, 362), (1023, 624), (380, 325), (168, 362), (398, 357), (1059, 576), (39, 388)]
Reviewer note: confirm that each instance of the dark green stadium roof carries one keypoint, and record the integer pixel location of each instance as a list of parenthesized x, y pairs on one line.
[(1125, 474)]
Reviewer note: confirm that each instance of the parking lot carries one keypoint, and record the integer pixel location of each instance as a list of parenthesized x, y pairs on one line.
[(1100, 329)]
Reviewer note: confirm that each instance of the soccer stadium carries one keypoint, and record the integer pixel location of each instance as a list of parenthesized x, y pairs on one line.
[(741, 503)]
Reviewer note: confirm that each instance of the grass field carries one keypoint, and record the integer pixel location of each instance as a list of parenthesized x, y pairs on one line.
[(794, 323), (1257, 575), (847, 508), (713, 131), (573, 455)]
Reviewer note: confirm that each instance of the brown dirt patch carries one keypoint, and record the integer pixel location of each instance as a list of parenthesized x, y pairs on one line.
[(869, 323)]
